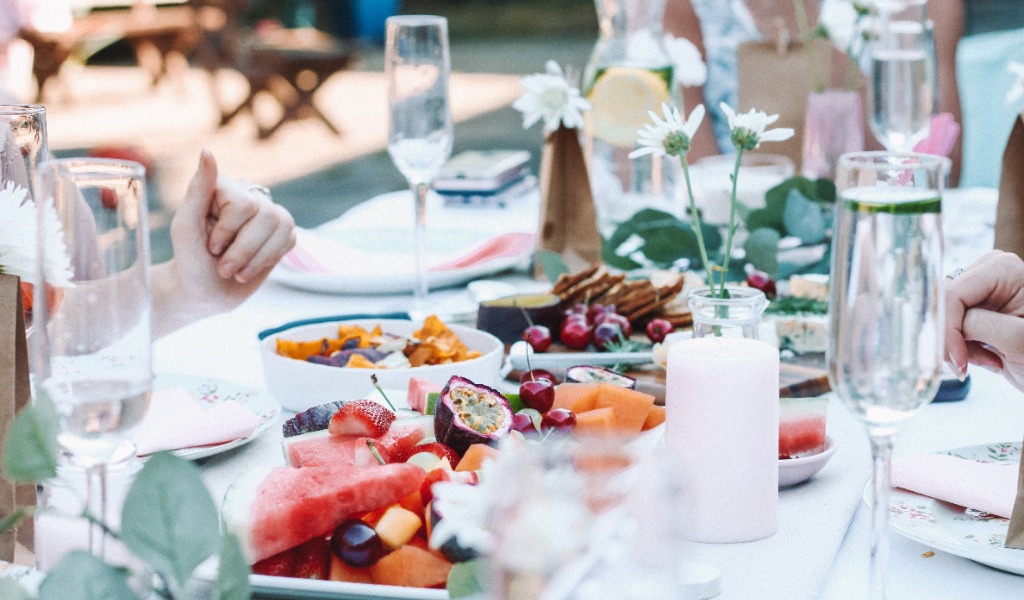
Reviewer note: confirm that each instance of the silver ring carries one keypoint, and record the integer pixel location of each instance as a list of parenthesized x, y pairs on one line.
[(957, 272), (261, 188)]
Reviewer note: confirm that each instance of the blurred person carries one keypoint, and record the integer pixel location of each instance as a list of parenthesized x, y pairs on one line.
[(985, 316), (718, 27), (16, 55)]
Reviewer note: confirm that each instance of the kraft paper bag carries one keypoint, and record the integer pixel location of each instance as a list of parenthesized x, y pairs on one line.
[(568, 219), (14, 394), (773, 77), (1010, 210), (1015, 533)]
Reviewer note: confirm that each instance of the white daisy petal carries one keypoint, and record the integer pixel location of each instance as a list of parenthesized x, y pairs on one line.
[(549, 97)]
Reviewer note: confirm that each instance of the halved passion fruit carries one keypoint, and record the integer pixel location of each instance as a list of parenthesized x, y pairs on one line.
[(468, 413), (589, 374)]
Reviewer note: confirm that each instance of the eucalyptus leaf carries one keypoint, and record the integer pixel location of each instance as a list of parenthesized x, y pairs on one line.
[(233, 572), (762, 250), (30, 449), (12, 590), (804, 218), (169, 519), (610, 258), (467, 579), (552, 264), (82, 576)]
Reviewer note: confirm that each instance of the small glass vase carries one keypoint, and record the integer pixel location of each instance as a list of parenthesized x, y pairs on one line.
[(737, 315), (833, 126)]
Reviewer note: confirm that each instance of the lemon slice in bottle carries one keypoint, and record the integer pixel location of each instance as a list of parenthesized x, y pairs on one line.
[(621, 97)]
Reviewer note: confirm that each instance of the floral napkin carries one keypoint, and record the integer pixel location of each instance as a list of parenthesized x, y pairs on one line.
[(177, 420), (988, 487)]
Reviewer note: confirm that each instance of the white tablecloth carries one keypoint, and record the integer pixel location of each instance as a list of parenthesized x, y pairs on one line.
[(821, 548)]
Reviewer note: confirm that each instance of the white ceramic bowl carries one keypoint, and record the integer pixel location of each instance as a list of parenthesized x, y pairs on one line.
[(797, 470), (299, 385)]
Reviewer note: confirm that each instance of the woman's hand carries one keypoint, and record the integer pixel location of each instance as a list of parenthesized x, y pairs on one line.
[(227, 235), (985, 316)]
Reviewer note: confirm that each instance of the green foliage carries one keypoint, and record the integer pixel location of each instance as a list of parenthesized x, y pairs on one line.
[(12, 590), (467, 579), (663, 240), (814, 196), (791, 305), (82, 576), (11, 521), (169, 519), (552, 264), (233, 574), (30, 450), (762, 248)]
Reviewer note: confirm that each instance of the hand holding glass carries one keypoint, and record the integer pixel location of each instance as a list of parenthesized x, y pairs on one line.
[(420, 133), (886, 308)]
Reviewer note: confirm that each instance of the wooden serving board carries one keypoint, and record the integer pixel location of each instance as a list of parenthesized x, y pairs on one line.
[(800, 376)]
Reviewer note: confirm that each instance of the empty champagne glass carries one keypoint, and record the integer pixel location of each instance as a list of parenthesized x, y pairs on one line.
[(903, 92), (886, 307), (420, 134), (93, 356)]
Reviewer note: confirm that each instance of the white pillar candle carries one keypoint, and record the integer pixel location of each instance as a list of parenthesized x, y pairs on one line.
[(722, 428)]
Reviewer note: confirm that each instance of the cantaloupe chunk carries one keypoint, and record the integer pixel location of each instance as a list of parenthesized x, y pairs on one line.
[(397, 526), (412, 503), (475, 456), (342, 571), (410, 566), (600, 421), (577, 397), (655, 417), (629, 407)]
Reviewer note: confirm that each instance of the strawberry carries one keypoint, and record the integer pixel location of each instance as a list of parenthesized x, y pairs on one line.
[(362, 418), (438, 449)]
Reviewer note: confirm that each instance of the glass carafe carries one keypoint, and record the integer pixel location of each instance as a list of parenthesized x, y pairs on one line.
[(629, 74)]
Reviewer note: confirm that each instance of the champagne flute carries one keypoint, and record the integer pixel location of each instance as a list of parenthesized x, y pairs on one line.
[(903, 88), (420, 133), (886, 306), (93, 351)]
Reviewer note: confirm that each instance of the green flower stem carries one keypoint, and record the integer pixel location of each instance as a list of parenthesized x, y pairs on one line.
[(732, 218), (695, 224)]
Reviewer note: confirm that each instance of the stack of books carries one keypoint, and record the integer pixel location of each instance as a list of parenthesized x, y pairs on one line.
[(485, 178)]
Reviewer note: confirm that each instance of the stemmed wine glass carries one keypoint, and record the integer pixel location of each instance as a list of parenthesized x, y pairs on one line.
[(886, 306), (93, 344), (903, 92), (420, 134)]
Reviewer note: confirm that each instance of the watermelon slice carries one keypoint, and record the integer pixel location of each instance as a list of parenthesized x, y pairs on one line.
[(404, 435), (801, 426), (418, 390), (273, 511), (320, 449)]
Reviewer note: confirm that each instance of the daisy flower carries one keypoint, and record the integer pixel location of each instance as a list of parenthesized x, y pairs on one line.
[(688, 68), (549, 96), (749, 129), (1017, 91), (838, 23), (669, 136), (18, 251)]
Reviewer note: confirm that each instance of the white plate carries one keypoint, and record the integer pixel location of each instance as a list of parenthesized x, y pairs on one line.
[(960, 531), (287, 587), (798, 470), (210, 392)]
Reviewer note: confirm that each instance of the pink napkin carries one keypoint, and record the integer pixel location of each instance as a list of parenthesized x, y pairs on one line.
[(941, 136), (988, 487), (176, 420), (314, 253)]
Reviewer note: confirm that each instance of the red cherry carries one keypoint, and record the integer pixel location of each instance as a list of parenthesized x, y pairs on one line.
[(538, 337), (657, 329), (606, 333), (559, 419), (575, 333), (522, 423), (538, 394), (761, 281), (620, 320), (594, 311), (538, 374)]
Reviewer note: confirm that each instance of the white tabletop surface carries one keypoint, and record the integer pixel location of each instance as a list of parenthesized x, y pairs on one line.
[(821, 548)]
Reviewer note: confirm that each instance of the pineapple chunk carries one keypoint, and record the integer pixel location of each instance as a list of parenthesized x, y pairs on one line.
[(397, 526)]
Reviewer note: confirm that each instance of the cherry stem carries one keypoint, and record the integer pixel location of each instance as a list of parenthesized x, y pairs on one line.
[(376, 453), (373, 378), (526, 315), (529, 369)]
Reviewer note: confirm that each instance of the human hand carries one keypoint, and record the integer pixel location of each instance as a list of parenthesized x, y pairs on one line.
[(985, 317), (227, 235)]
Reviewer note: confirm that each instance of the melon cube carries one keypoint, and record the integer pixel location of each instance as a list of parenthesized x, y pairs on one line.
[(410, 566), (599, 421), (342, 571), (397, 526), (801, 426), (654, 418), (629, 407), (577, 397)]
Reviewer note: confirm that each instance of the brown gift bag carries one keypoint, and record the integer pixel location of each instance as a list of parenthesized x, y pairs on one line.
[(568, 220), (1010, 210), (14, 394)]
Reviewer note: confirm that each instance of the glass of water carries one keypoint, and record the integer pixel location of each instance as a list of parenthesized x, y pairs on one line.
[(903, 85), (93, 345), (886, 307)]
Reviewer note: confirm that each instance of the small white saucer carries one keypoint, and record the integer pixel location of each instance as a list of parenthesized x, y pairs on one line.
[(797, 470)]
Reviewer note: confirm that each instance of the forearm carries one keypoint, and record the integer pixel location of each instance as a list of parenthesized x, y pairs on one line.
[(173, 306)]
